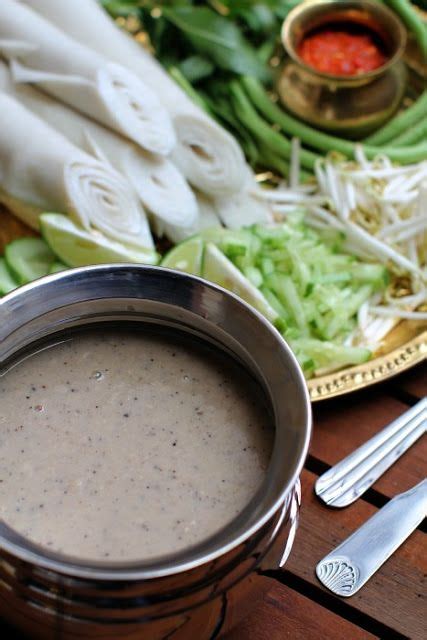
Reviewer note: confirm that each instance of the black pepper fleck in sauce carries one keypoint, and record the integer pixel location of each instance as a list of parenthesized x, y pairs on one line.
[(183, 443)]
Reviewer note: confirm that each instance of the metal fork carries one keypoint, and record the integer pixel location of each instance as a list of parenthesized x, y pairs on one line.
[(350, 478)]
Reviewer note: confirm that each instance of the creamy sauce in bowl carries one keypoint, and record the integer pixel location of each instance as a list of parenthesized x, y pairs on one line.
[(128, 445)]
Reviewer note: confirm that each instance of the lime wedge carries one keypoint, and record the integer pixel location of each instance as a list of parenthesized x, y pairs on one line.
[(219, 269), (28, 259), (213, 234), (56, 267), (186, 256), (77, 247), (7, 282)]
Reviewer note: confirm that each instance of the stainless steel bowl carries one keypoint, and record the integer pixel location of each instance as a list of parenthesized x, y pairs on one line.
[(200, 592)]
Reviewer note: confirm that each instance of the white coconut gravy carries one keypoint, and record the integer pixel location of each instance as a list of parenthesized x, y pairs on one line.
[(128, 445)]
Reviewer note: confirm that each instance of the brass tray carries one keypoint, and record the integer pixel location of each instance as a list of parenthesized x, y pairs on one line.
[(403, 348)]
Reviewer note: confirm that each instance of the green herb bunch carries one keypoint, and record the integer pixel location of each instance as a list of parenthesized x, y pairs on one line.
[(220, 53), (209, 39)]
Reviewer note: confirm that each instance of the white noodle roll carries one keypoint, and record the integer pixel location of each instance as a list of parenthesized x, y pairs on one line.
[(42, 54), (245, 207), (208, 156), (40, 170), (160, 186), (206, 218)]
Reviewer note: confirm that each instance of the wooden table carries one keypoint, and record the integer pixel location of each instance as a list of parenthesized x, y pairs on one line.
[(391, 605), (293, 604)]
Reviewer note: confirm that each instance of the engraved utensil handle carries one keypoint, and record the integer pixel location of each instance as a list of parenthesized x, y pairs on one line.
[(352, 476), (346, 569)]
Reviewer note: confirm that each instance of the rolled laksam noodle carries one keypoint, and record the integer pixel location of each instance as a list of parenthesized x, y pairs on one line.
[(245, 207), (206, 219), (42, 54), (40, 170), (208, 156), (158, 183)]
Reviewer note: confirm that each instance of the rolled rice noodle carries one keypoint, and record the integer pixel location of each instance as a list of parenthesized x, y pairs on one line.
[(206, 218), (40, 170), (42, 54), (208, 156), (244, 208), (159, 184)]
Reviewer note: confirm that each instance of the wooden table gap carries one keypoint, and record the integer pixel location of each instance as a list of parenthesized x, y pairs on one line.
[(286, 613), (343, 426), (393, 596), (339, 606)]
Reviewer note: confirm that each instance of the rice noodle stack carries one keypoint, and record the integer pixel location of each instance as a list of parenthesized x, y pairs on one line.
[(207, 217), (159, 184), (41, 170), (208, 156), (43, 55), (245, 207)]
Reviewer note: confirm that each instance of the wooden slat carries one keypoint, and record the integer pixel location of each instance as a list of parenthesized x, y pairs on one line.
[(343, 425), (413, 382), (11, 228), (394, 595), (284, 614)]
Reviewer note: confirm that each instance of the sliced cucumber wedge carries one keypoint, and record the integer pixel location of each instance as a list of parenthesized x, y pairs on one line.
[(28, 259), (327, 354), (77, 247), (219, 269), (7, 281)]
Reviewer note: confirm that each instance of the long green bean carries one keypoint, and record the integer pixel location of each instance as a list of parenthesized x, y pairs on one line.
[(308, 135), (323, 141), (415, 134), (402, 155), (412, 20), (270, 160), (400, 123), (187, 87), (262, 130)]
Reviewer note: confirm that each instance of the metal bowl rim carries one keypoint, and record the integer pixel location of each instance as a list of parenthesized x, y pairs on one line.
[(113, 571)]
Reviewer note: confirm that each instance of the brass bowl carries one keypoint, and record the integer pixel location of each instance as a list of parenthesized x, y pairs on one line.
[(352, 105)]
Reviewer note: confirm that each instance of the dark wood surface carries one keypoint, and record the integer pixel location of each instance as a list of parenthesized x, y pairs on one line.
[(293, 604), (391, 605)]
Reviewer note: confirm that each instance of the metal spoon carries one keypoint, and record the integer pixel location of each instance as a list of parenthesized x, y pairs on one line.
[(346, 569)]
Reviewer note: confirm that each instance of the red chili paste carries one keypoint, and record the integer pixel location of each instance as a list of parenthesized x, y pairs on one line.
[(341, 52)]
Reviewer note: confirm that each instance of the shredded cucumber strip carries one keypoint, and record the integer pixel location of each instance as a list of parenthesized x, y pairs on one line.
[(313, 285)]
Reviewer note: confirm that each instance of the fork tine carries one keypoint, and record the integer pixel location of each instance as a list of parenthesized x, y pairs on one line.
[(352, 476)]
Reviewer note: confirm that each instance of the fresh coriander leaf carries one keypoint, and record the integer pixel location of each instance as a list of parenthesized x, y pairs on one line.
[(196, 68), (218, 38), (118, 8)]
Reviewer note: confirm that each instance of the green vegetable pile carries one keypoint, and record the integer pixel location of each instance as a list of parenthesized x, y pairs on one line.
[(300, 279), (25, 259), (311, 287), (219, 52), (63, 244)]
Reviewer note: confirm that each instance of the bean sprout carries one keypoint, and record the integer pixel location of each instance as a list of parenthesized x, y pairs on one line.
[(382, 209)]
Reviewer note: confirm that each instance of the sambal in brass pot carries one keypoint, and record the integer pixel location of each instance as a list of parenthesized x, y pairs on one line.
[(343, 70)]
